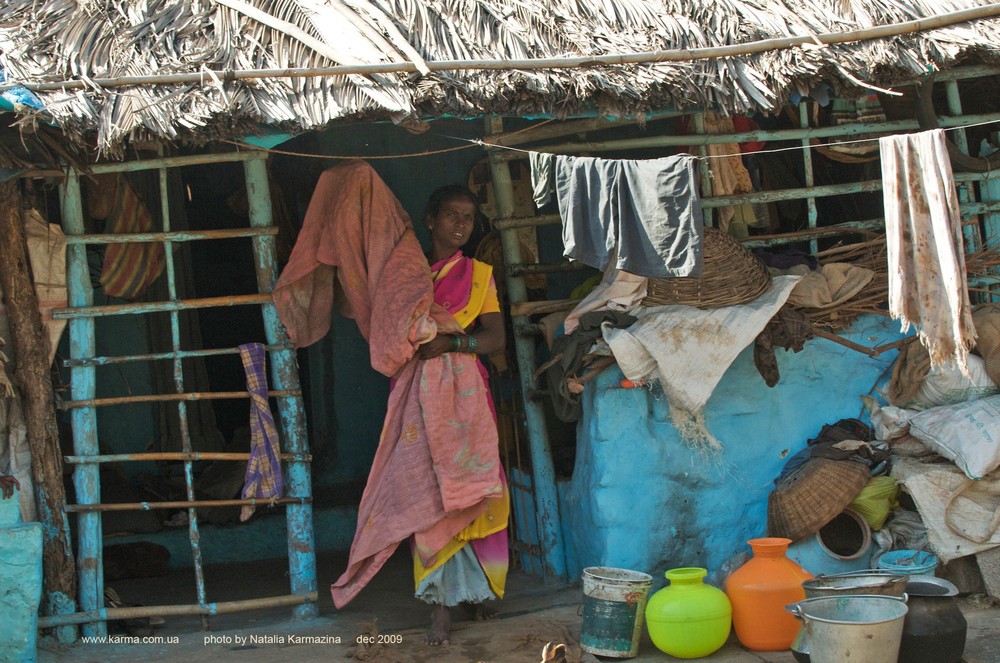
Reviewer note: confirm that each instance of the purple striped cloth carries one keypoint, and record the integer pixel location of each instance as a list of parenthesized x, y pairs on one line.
[(263, 479)]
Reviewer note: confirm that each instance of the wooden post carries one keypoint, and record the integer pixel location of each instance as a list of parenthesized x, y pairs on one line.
[(30, 344)]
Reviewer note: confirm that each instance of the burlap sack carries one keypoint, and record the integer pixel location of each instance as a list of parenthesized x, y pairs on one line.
[(831, 285), (908, 373), (986, 318)]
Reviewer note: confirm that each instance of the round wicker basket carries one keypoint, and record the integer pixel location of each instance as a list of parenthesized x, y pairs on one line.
[(730, 274), (812, 495)]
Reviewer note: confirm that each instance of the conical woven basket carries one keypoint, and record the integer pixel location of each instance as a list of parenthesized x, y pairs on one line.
[(812, 495), (729, 275)]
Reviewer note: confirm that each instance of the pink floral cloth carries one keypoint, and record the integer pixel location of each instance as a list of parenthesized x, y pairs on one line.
[(438, 457), (357, 232)]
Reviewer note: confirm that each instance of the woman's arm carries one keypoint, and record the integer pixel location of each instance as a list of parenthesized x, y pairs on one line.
[(489, 337)]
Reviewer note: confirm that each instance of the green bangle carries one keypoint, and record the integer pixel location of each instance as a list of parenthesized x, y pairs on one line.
[(455, 341), (472, 345)]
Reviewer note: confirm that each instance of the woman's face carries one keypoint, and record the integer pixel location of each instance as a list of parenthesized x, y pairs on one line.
[(453, 224)]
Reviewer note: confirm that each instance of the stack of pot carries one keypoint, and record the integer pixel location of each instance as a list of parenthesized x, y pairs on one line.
[(933, 629)]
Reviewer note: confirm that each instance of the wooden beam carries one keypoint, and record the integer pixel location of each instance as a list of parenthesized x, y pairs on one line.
[(30, 345)]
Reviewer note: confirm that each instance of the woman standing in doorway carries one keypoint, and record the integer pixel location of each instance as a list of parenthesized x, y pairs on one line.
[(472, 568)]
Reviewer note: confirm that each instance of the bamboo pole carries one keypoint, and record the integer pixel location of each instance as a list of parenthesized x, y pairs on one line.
[(147, 164), (527, 221), (175, 398), (174, 161), (871, 352), (647, 57), (157, 307), (775, 135), (520, 269), (156, 356), (569, 127), (869, 227), (31, 352), (175, 236), (595, 369), (182, 504), (136, 612), (543, 478), (173, 455)]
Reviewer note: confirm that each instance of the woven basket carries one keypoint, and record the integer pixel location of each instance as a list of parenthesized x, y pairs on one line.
[(729, 275), (812, 495)]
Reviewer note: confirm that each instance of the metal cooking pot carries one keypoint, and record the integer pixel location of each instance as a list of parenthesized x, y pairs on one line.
[(874, 582)]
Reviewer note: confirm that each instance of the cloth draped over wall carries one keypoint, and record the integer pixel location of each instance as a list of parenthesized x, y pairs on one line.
[(689, 349), (438, 458), (927, 281)]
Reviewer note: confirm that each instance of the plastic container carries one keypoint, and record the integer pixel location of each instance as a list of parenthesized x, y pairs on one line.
[(614, 601), (759, 591), (852, 628), (842, 545), (687, 618), (910, 562)]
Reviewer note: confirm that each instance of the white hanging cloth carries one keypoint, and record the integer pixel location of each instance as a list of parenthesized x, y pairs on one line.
[(926, 258)]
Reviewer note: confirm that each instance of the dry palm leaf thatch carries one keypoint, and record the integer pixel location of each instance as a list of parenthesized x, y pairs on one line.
[(86, 40)]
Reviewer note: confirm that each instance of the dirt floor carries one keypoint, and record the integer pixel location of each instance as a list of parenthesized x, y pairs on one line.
[(533, 613)]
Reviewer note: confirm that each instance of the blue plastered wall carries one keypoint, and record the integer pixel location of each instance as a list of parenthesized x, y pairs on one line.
[(641, 499)]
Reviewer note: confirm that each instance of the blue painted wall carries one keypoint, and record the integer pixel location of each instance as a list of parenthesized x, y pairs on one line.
[(641, 499)]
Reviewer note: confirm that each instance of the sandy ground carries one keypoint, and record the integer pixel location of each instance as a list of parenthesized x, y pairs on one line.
[(393, 622)]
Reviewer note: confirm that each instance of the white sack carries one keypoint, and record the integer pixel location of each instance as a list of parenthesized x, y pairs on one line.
[(968, 434)]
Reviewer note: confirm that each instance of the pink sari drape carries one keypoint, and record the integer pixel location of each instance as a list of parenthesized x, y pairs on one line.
[(452, 292), (438, 459)]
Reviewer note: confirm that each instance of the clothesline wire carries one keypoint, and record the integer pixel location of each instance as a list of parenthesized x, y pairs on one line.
[(726, 156), (383, 156), (474, 142)]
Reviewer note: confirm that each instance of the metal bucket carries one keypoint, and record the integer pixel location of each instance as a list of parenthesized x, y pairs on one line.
[(871, 582), (614, 602), (852, 628)]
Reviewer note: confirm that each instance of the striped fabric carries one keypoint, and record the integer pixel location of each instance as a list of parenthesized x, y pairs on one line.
[(263, 479), (130, 268)]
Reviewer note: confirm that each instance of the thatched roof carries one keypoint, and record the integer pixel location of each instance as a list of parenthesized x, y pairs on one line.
[(83, 40)]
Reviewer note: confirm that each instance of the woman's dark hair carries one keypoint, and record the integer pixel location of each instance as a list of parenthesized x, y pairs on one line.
[(443, 194)]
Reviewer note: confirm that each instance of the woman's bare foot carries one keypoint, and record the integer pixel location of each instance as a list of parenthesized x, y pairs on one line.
[(440, 626), (481, 611)]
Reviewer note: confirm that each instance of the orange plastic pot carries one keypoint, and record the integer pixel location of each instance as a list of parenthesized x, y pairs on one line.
[(759, 591)]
